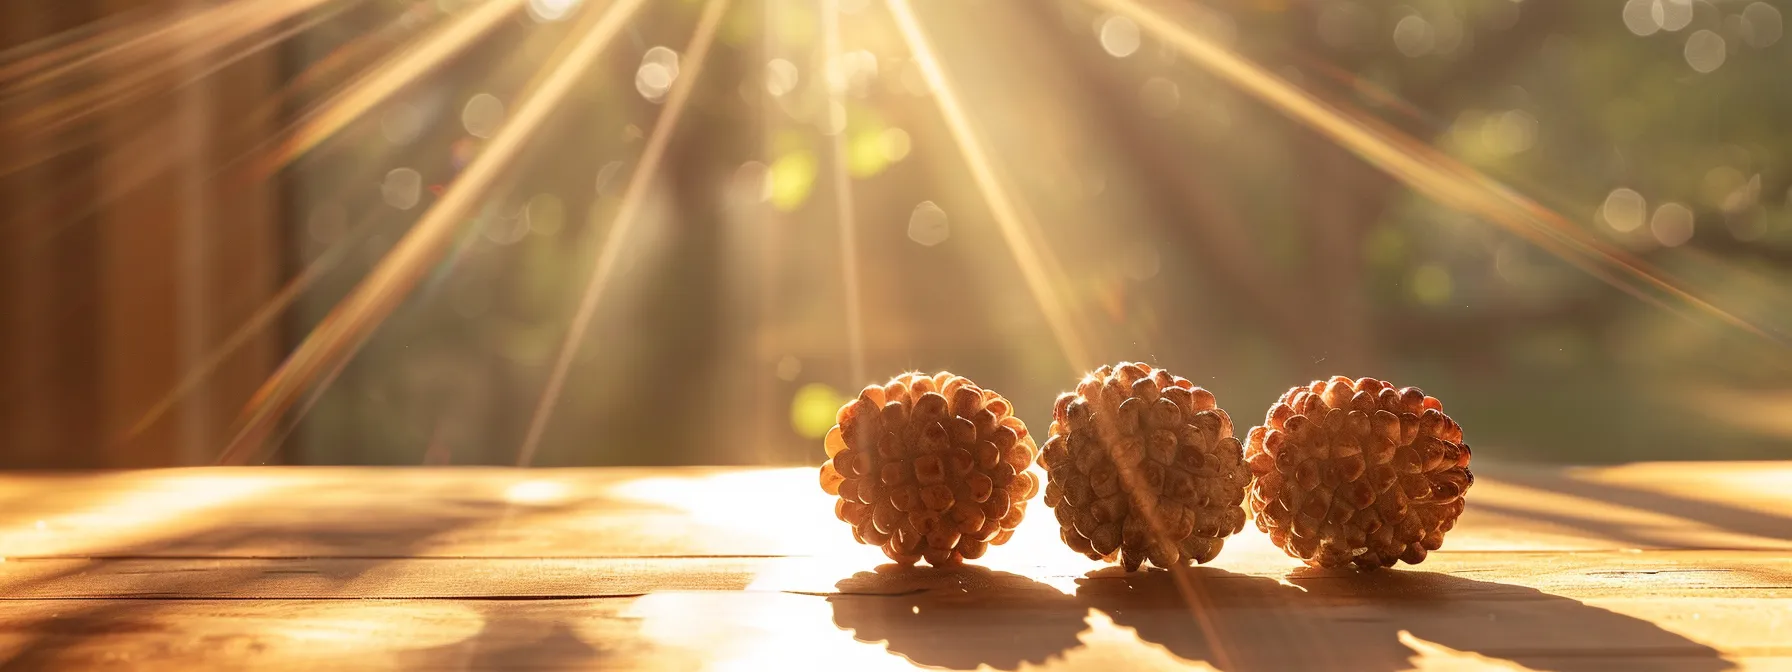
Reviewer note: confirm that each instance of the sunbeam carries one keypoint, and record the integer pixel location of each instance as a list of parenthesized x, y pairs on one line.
[(1428, 170), (111, 67), (264, 316), (347, 326), (71, 206), (1032, 259), (425, 55), (150, 43), (768, 343), (60, 45), (60, 113), (833, 72), (626, 214)]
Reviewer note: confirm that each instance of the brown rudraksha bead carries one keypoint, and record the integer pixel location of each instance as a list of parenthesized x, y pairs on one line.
[(930, 467), (1357, 472), (1141, 465)]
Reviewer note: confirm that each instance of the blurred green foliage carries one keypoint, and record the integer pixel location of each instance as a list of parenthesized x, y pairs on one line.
[(1186, 224)]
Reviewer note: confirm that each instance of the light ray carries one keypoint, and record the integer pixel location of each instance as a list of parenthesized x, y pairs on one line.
[(60, 113), (66, 84), (346, 327), (1194, 593), (843, 201), (374, 87), (354, 49), (1429, 171), (624, 223), (314, 77), (72, 205), (283, 299), (1192, 588), (152, 43), (1033, 260), (278, 436), (767, 342), (57, 45), (257, 322)]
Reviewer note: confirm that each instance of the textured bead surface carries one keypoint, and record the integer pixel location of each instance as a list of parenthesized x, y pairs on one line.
[(929, 467), (1357, 472), (1141, 466)]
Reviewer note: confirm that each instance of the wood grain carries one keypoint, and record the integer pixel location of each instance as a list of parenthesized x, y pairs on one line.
[(1661, 574), (1671, 567)]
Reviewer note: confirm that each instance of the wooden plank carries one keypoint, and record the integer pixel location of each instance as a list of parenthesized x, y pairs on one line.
[(1599, 575), (338, 578), (495, 512), (1654, 505), (1096, 628), (1622, 568), (418, 512)]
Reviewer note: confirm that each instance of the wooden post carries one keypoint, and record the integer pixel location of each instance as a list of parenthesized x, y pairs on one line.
[(155, 259)]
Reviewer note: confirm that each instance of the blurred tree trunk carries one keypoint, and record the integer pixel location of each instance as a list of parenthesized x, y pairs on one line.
[(47, 378), (710, 144), (1192, 205), (1322, 311), (682, 404), (128, 262), (1342, 198)]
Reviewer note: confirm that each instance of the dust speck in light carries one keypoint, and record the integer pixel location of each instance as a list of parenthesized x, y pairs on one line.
[(482, 115), (1119, 36), (927, 225)]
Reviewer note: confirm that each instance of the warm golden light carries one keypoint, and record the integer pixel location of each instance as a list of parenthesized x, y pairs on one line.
[(847, 218), (615, 242), (1432, 172), (132, 508), (536, 492), (347, 327), (1036, 261), (127, 60), (373, 88), (664, 244)]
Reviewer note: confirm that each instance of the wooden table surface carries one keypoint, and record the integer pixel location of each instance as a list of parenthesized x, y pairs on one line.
[(1652, 566)]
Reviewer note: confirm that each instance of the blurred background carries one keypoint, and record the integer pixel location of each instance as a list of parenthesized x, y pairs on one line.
[(1014, 190)]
